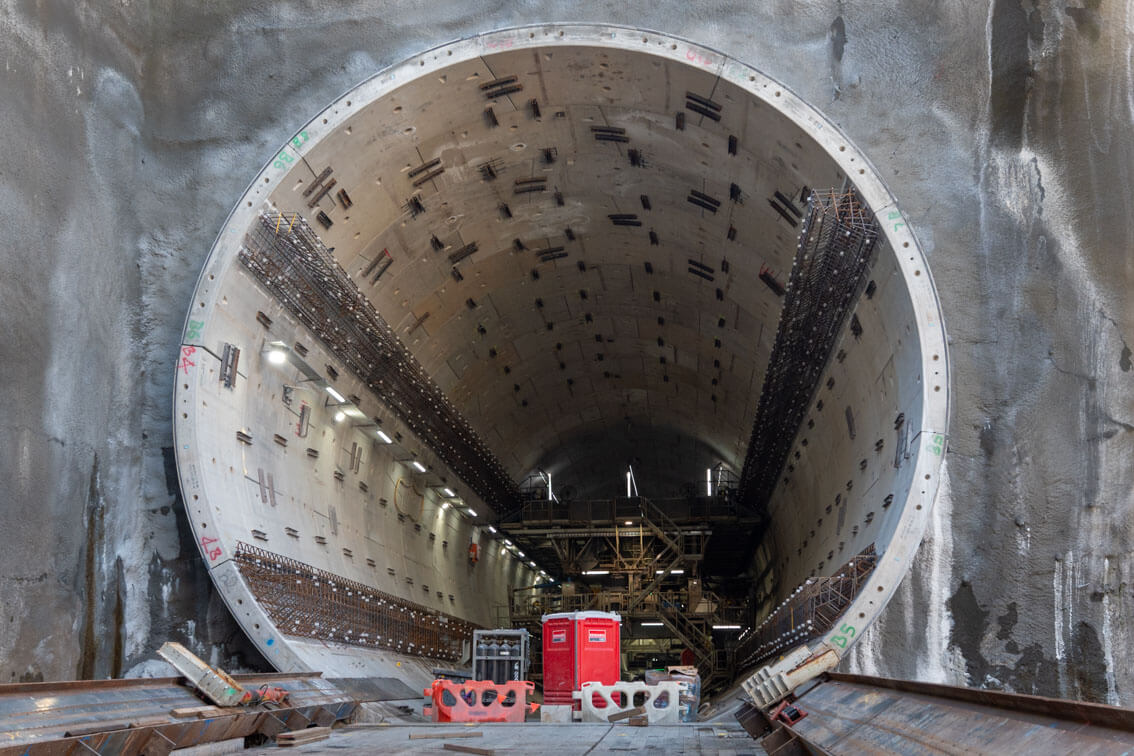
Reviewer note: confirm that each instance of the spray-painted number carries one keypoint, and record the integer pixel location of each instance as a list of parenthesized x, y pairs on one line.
[(284, 159), (195, 327), (896, 216), (696, 56), (847, 632), (214, 551), (186, 363), (936, 444)]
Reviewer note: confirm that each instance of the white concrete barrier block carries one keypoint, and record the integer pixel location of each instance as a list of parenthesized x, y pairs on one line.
[(659, 700)]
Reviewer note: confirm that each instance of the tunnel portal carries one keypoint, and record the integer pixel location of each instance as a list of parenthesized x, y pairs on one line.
[(561, 317)]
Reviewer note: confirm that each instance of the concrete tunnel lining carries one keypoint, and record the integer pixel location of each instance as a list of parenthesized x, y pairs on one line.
[(432, 105)]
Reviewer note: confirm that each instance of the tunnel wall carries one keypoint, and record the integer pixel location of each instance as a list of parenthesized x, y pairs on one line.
[(364, 140), (1004, 129), (335, 497), (831, 500)]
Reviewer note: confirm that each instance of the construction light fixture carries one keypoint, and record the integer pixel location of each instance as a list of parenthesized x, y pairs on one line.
[(336, 395), (596, 572), (653, 624), (672, 572), (726, 627), (383, 437), (444, 505), (533, 564), (709, 482), (418, 466), (507, 542), (277, 356), (491, 529), (628, 522), (340, 416), (520, 554), (472, 512), (449, 492)]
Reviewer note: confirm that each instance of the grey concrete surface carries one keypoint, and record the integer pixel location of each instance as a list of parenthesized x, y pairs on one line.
[(723, 739), (1004, 128)]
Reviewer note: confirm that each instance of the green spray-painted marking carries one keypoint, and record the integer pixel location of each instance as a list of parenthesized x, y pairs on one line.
[(195, 327), (847, 632), (283, 160), (936, 444)]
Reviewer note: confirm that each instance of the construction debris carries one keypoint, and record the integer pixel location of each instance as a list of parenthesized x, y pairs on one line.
[(637, 711), (302, 737), (437, 735), (200, 712), (213, 684)]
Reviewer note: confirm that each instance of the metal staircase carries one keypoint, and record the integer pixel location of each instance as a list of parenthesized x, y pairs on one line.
[(656, 547)]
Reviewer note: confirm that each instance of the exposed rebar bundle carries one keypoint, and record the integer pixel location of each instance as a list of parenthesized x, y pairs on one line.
[(835, 247), (292, 263), (312, 603)]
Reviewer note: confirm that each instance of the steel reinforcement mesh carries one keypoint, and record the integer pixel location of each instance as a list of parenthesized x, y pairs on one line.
[(291, 262), (808, 613), (307, 602), (835, 247)]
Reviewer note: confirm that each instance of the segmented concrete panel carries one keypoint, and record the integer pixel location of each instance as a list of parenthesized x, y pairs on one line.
[(428, 156)]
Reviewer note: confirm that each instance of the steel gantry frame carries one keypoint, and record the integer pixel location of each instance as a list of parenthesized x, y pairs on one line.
[(645, 549)]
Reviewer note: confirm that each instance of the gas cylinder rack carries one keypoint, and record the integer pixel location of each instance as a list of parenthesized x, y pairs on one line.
[(501, 655)]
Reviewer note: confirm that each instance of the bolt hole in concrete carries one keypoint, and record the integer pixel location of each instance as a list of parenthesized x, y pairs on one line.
[(414, 250)]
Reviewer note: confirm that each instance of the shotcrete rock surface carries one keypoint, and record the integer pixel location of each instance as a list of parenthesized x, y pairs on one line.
[(1004, 128)]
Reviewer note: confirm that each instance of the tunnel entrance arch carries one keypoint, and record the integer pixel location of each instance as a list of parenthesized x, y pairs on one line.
[(531, 234)]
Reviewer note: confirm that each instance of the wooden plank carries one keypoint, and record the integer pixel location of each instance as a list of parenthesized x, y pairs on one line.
[(639, 721), (195, 711), (90, 729), (301, 737), (636, 711), (459, 734), (304, 733), (468, 749), (149, 721)]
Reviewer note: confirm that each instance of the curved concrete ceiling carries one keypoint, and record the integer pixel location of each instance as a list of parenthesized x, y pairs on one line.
[(578, 232)]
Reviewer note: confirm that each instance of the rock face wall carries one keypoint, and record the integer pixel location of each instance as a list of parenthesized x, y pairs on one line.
[(1004, 128)]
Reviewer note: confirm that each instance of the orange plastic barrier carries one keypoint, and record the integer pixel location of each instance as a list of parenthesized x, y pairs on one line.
[(479, 701)]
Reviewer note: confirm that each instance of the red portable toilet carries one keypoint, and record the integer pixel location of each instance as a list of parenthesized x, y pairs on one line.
[(579, 647)]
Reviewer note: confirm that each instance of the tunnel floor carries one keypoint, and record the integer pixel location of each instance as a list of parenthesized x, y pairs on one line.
[(711, 739)]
